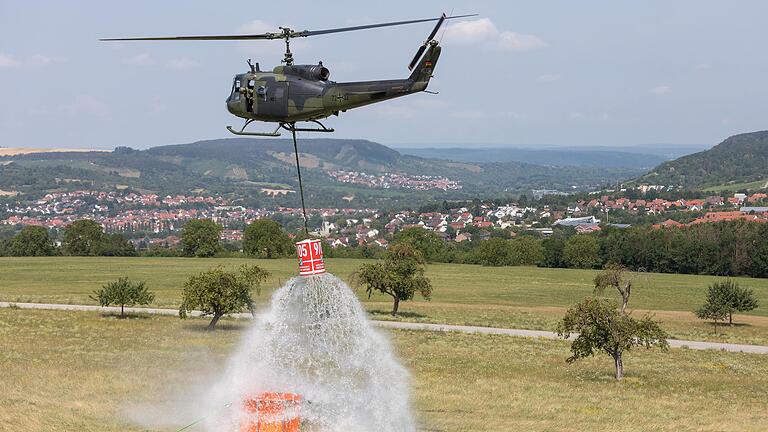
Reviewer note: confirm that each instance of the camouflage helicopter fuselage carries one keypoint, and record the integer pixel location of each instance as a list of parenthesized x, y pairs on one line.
[(298, 93)]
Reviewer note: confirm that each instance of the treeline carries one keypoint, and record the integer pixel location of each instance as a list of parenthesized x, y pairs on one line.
[(80, 238), (730, 248)]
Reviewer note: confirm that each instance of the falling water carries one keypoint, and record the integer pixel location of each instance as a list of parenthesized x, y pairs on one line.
[(315, 341)]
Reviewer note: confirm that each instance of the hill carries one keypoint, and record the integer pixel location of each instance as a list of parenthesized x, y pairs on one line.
[(256, 168), (547, 157), (740, 159)]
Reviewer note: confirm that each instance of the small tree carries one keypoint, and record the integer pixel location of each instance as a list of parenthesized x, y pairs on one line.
[(218, 292), (200, 238), (400, 276), (614, 276), (123, 292), (264, 238), (739, 299), (715, 309), (601, 327), (723, 298)]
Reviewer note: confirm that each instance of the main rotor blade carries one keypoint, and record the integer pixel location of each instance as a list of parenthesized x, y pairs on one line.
[(369, 26), (186, 38), (290, 33)]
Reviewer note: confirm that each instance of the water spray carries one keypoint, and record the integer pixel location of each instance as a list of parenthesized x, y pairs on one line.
[(312, 362)]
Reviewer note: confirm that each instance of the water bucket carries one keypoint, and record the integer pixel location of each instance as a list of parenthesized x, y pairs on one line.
[(272, 412), (310, 254)]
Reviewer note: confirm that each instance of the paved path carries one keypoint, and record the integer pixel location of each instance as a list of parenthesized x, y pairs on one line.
[(697, 345)]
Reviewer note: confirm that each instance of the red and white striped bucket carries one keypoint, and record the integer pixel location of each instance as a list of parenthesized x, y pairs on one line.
[(310, 257)]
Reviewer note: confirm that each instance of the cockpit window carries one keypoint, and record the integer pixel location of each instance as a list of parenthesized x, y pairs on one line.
[(236, 89)]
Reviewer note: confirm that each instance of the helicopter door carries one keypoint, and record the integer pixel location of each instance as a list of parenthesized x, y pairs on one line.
[(271, 98)]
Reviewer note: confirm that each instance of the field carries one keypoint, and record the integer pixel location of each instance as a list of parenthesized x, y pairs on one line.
[(67, 371), (516, 297), (752, 186)]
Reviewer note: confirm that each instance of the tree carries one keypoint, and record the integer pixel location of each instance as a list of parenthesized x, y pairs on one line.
[(400, 275), (553, 252), (724, 298), (614, 276), (123, 292), (219, 292), (429, 244), (493, 252), (601, 327), (84, 238), (581, 251), (716, 307), (31, 241), (526, 250), (741, 300), (200, 238), (264, 238)]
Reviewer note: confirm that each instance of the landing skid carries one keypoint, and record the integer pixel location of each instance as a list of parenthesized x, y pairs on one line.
[(291, 127), (242, 131)]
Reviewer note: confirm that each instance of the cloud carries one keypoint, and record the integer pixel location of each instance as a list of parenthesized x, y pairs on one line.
[(183, 63), (142, 59), (548, 78), (88, 105), (703, 66), (661, 90), (483, 32), (8, 61)]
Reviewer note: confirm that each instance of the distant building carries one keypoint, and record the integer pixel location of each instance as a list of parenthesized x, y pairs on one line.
[(586, 220)]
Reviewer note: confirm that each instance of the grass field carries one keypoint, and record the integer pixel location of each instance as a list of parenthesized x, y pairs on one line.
[(517, 297), (79, 371), (755, 185)]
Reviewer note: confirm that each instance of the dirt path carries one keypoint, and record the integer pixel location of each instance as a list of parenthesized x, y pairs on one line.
[(697, 345)]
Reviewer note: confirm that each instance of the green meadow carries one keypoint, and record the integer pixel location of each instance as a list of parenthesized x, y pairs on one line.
[(512, 297)]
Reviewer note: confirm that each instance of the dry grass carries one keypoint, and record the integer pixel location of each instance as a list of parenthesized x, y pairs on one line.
[(70, 371)]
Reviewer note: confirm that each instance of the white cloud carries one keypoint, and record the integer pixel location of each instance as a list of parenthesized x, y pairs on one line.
[(88, 105), (548, 78), (8, 61), (484, 32), (142, 59), (703, 66), (661, 90), (183, 63)]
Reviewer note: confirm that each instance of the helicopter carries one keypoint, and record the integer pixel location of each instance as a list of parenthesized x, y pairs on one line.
[(292, 94)]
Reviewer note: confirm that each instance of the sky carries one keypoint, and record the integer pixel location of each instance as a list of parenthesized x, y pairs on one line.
[(535, 73)]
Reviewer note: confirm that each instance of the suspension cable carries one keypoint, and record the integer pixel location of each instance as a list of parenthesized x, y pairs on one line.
[(301, 184)]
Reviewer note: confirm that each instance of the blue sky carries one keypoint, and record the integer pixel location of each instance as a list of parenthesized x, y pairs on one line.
[(522, 73)]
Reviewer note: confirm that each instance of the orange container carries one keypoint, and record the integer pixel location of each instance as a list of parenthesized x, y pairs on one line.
[(272, 412)]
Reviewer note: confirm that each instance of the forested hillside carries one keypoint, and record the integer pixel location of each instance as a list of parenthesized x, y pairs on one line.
[(739, 159)]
